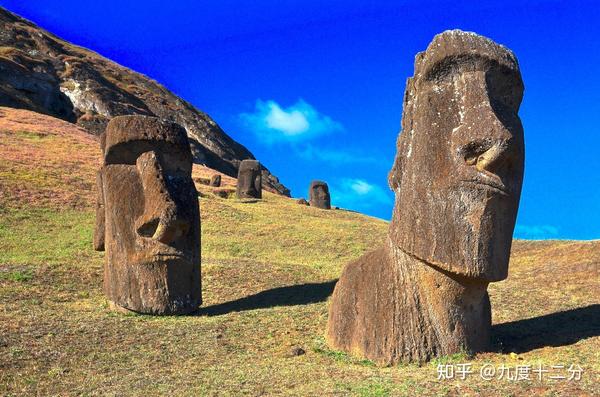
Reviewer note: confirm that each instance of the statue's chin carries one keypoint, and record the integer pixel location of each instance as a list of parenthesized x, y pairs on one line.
[(486, 226), (470, 238)]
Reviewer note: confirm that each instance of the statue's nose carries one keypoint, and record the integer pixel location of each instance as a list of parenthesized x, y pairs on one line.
[(491, 157), (494, 144), (160, 220)]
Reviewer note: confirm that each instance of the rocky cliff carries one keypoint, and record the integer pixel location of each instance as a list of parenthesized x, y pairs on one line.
[(43, 73)]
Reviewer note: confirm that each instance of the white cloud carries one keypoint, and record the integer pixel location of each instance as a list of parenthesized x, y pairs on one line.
[(290, 122), (358, 194), (361, 187), (271, 123), (536, 232), (335, 157)]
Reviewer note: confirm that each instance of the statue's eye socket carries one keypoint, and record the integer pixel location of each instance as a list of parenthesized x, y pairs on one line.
[(505, 89)]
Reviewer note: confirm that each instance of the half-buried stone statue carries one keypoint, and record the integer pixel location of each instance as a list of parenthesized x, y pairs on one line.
[(249, 181), (318, 195), (457, 178), (215, 180), (148, 211)]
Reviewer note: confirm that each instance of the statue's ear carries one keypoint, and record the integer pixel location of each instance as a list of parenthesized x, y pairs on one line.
[(395, 173), (403, 149), (100, 228)]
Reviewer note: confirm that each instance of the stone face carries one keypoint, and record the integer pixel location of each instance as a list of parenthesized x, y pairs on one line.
[(318, 195), (215, 180), (151, 219), (457, 177), (249, 181)]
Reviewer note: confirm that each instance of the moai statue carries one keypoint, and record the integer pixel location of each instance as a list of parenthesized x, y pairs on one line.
[(215, 180), (302, 201), (457, 178), (318, 195), (249, 181), (148, 217)]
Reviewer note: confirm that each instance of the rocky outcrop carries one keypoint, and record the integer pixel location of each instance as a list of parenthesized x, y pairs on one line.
[(41, 72)]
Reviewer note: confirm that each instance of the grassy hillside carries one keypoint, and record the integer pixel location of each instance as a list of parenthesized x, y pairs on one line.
[(268, 270)]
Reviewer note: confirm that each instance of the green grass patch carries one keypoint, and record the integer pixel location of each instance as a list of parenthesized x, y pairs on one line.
[(378, 388), (279, 231), (18, 276), (44, 236)]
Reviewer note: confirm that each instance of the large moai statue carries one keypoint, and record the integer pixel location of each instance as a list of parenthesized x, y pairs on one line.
[(318, 195), (249, 181), (457, 178), (148, 218)]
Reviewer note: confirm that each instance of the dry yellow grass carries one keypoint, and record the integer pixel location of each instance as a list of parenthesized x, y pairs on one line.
[(45, 161), (268, 270)]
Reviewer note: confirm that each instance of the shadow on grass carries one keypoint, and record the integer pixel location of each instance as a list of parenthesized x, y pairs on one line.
[(556, 329), (249, 201), (301, 294)]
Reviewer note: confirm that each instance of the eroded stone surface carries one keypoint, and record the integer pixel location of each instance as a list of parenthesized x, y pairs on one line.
[(99, 229), (151, 220), (318, 195), (457, 178), (249, 182)]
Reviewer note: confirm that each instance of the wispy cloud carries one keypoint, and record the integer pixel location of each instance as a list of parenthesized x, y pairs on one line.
[(333, 156), (536, 232), (272, 123), (358, 194)]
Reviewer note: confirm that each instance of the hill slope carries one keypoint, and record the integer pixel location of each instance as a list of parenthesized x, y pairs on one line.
[(43, 73), (268, 270)]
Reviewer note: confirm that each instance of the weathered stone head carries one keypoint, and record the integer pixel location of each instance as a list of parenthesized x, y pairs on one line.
[(318, 195), (457, 178), (459, 165), (249, 181), (150, 217)]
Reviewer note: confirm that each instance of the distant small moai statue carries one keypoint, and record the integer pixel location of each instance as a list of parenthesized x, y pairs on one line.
[(457, 177), (302, 201), (147, 217), (318, 195), (249, 181), (215, 180)]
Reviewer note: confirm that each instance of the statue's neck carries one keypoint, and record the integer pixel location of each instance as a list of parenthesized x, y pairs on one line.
[(455, 310)]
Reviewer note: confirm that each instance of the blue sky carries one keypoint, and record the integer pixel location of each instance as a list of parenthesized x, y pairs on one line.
[(314, 88)]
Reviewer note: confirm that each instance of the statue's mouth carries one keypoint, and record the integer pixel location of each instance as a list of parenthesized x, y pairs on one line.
[(170, 256), (166, 257), (173, 257), (491, 185)]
